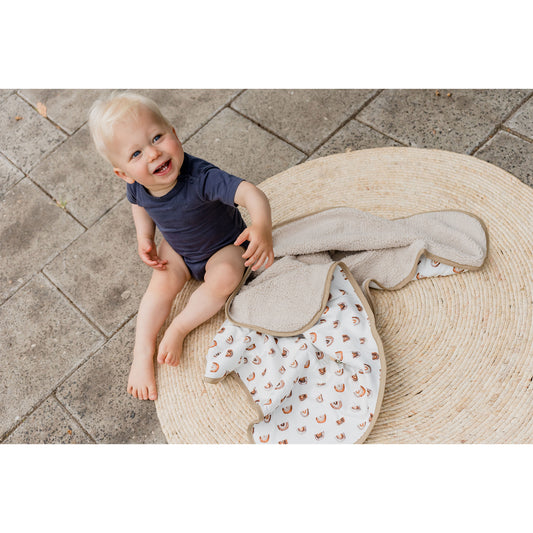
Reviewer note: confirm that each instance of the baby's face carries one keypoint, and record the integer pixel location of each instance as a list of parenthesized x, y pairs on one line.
[(146, 151)]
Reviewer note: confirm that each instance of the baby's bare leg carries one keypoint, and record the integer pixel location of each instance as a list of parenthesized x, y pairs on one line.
[(223, 273), (153, 311)]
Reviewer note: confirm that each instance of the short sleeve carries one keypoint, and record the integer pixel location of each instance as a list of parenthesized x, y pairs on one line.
[(219, 185), (130, 193)]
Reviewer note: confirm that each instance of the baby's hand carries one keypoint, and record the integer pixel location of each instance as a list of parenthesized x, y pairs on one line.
[(148, 253), (260, 250)]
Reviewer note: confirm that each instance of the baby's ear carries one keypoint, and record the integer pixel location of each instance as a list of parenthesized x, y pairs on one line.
[(122, 175)]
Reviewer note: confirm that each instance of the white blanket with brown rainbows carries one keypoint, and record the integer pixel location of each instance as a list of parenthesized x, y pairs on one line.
[(324, 385), (301, 335)]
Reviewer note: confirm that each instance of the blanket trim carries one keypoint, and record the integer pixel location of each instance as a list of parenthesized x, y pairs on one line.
[(483, 225), (365, 288), (410, 276), (313, 320), (371, 318), (365, 285)]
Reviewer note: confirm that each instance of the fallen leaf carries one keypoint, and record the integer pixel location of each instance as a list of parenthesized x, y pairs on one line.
[(41, 108)]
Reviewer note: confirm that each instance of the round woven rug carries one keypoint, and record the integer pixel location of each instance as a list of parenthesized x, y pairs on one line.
[(458, 348)]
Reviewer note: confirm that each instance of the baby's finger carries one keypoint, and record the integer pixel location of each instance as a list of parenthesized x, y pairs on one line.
[(242, 237), (148, 261), (260, 262), (251, 250), (270, 260), (258, 259)]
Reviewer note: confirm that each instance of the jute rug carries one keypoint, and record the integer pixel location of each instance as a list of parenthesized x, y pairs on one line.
[(458, 348)]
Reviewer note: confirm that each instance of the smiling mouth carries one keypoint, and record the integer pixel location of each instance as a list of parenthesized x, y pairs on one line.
[(162, 169)]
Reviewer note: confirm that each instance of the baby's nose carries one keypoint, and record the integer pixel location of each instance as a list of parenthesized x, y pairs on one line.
[(153, 153)]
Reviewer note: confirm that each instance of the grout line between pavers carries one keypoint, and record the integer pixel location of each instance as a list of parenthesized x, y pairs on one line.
[(211, 117), (350, 118), (371, 98), (79, 128), (499, 125), (388, 135), (58, 126), (521, 136), (86, 229), (73, 417), (20, 288), (16, 166), (344, 123), (58, 384), (84, 315), (264, 128), (122, 198), (22, 418), (56, 147), (56, 202)]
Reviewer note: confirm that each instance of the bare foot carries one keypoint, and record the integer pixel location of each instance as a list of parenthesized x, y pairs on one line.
[(170, 346), (141, 381)]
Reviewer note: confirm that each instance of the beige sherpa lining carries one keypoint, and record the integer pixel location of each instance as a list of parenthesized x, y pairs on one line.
[(385, 252)]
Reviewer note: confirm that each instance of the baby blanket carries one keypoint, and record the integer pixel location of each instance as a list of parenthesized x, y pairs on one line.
[(301, 335)]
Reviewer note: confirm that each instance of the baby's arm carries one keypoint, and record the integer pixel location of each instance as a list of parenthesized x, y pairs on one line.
[(145, 229), (260, 250)]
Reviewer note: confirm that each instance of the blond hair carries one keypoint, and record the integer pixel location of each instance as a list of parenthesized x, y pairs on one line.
[(105, 113)]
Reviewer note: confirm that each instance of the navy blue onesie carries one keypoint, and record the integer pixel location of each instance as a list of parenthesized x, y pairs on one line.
[(198, 216)]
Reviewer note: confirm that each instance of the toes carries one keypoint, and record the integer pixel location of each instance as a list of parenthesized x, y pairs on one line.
[(152, 393)]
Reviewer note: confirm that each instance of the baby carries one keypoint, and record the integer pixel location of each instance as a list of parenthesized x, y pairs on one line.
[(193, 203)]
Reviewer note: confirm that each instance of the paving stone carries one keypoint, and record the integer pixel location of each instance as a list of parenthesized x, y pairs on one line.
[(66, 107), (418, 117), (96, 395), (44, 338), (189, 109), (354, 136), (4, 93), (27, 140), (9, 175), (240, 147), (510, 153), (101, 271), (49, 424), (33, 230), (78, 176), (304, 117), (522, 120)]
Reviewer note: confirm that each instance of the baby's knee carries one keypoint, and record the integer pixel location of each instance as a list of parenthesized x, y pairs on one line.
[(224, 279), (168, 282)]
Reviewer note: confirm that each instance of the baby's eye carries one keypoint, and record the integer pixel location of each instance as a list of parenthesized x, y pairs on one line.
[(157, 137), (135, 154)]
